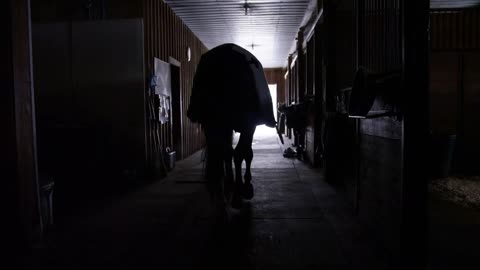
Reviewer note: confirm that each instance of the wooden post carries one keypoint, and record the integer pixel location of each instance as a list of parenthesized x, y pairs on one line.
[(359, 7), (415, 58), (301, 79), (22, 176), (460, 145), (289, 98), (8, 161), (301, 66), (289, 91), (360, 32), (329, 35)]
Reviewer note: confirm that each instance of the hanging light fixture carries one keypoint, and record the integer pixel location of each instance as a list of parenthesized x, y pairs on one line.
[(246, 6)]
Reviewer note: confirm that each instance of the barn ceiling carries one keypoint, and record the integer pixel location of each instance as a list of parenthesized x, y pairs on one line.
[(446, 4), (267, 28)]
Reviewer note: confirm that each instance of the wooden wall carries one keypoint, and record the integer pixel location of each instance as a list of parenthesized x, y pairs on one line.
[(363, 157), (288, 93), (455, 30), (8, 155), (292, 92), (378, 176), (276, 76), (340, 59), (167, 36), (76, 10), (470, 129), (455, 81), (378, 162), (21, 215), (311, 140), (379, 34), (444, 89)]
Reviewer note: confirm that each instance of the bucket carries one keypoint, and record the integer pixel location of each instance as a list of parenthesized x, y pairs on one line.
[(170, 158)]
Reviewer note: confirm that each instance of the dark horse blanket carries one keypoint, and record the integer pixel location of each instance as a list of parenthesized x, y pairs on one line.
[(230, 87)]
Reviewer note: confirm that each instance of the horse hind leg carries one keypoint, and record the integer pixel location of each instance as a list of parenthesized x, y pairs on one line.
[(215, 171), (244, 151), (248, 163), (228, 158), (238, 160), (247, 189)]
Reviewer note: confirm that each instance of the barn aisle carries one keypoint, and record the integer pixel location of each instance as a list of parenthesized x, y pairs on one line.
[(295, 221)]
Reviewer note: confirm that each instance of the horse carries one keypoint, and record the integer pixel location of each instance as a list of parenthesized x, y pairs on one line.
[(224, 185), (229, 94)]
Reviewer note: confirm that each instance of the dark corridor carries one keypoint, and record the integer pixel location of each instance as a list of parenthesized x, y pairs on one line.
[(377, 101), (295, 221)]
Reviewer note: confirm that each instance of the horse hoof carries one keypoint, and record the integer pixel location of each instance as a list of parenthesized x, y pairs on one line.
[(247, 191)]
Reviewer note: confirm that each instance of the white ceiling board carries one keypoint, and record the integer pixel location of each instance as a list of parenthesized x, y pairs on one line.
[(270, 26), (449, 4)]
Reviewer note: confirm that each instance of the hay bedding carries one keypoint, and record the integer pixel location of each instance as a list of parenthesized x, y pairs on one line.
[(461, 190)]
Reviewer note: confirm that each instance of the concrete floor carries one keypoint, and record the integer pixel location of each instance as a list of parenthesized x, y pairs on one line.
[(295, 221), (454, 235)]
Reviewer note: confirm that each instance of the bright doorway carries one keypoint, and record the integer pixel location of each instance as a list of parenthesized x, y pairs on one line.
[(264, 130)]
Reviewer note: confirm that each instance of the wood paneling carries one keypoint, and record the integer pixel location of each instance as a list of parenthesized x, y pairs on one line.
[(364, 156), (62, 11), (167, 36), (380, 194), (455, 104), (26, 190), (293, 88), (455, 44), (471, 110), (455, 29), (315, 103), (444, 86), (343, 46), (380, 35), (8, 156), (276, 76)]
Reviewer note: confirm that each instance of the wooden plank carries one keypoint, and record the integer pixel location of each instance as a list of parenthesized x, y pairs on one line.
[(161, 16), (475, 28), (11, 231), (455, 30), (444, 84), (26, 150), (471, 105)]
